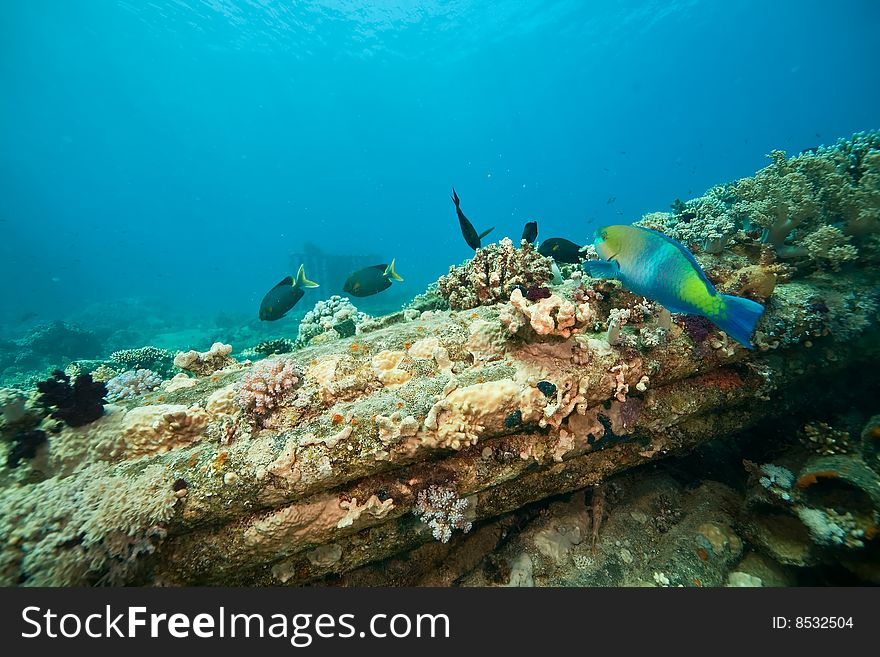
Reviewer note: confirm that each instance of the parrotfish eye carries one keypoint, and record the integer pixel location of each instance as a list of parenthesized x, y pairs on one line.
[(603, 235)]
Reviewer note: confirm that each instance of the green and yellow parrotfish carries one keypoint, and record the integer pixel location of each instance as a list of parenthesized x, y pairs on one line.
[(371, 280), (284, 296), (655, 266)]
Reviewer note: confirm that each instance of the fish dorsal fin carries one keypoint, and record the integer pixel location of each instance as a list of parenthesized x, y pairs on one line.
[(302, 281), (389, 272), (485, 232), (686, 251), (287, 281)]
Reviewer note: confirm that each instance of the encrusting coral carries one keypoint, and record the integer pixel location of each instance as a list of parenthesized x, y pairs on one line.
[(492, 274), (205, 363)]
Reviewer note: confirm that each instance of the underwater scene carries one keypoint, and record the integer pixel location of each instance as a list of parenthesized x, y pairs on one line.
[(401, 293)]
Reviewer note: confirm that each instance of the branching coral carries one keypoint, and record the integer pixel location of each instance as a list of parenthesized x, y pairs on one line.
[(705, 222), (267, 384), (325, 317), (131, 384), (149, 358), (493, 273), (443, 511)]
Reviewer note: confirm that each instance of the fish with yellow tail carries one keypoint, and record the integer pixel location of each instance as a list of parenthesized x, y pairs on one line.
[(284, 296), (371, 280), (655, 266)]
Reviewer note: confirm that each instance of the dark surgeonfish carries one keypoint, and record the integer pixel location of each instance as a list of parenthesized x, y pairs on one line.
[(561, 250), (284, 296), (371, 280), (467, 228), (530, 232)]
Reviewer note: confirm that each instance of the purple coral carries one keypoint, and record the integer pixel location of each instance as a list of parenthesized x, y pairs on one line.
[(697, 327), (266, 385), (443, 511)]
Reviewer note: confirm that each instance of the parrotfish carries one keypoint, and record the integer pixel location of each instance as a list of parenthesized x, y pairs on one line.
[(653, 265), (371, 280), (561, 250), (284, 296), (530, 232), (467, 228)]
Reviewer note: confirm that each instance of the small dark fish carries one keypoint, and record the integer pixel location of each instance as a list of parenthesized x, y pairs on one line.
[(284, 296), (561, 250), (610, 200), (371, 280), (27, 316), (530, 232), (467, 228)]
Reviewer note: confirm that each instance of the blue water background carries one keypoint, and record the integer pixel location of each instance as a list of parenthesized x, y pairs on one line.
[(177, 153)]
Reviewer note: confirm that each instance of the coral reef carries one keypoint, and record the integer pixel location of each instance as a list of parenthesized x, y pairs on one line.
[(132, 384), (522, 414), (205, 363), (822, 207), (492, 274), (328, 320)]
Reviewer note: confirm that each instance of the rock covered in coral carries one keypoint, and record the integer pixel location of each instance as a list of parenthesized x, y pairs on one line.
[(132, 384), (493, 273), (315, 464), (205, 363), (76, 404), (322, 320)]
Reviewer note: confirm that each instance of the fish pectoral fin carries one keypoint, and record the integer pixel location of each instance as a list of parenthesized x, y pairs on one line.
[(389, 272), (302, 281), (485, 232), (602, 268)]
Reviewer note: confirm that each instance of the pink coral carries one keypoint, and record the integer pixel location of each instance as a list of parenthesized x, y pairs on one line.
[(266, 385)]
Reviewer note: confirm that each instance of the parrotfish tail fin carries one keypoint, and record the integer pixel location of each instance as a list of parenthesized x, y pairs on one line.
[(742, 317), (389, 271), (455, 198), (602, 268), (301, 280), (485, 232)]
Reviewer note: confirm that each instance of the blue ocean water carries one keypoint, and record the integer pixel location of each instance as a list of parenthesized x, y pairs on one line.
[(169, 157)]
